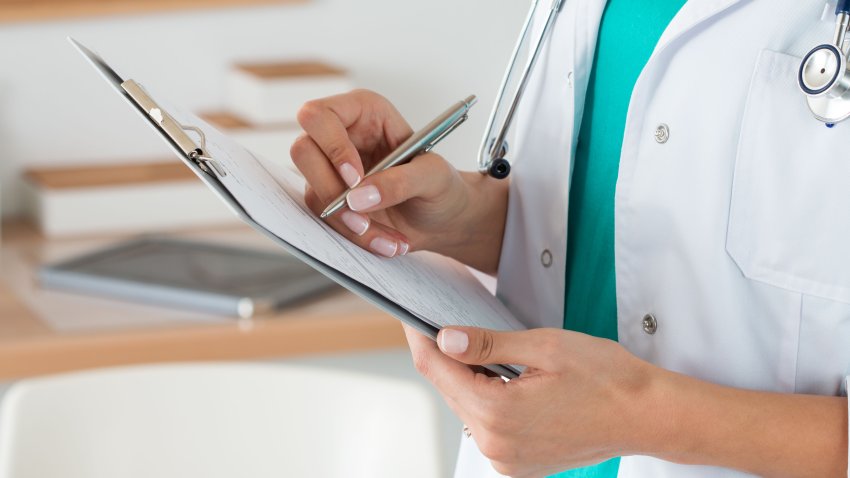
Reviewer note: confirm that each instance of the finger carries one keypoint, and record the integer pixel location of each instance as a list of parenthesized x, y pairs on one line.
[(395, 129), (326, 121), (452, 378), (536, 348), (466, 402), (362, 230), (464, 415), (386, 126), (427, 177), (423, 350), (316, 169)]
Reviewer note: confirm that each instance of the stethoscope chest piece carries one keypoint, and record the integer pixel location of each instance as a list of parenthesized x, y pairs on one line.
[(499, 168), (825, 81), (824, 77)]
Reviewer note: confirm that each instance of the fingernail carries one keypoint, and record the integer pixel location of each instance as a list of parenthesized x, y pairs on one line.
[(358, 223), (349, 175), (384, 247), (453, 341), (363, 198), (404, 248)]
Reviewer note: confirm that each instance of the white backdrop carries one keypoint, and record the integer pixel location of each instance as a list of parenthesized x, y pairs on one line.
[(423, 55)]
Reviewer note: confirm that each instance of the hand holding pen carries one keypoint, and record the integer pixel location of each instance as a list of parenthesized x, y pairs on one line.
[(420, 142), (410, 199)]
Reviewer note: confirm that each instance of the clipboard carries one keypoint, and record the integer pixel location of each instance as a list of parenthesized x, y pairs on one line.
[(193, 153)]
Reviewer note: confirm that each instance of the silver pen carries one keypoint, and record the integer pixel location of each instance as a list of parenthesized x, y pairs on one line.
[(421, 142)]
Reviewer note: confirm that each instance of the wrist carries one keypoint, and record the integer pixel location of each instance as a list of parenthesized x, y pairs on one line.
[(670, 415), (652, 411), (681, 419)]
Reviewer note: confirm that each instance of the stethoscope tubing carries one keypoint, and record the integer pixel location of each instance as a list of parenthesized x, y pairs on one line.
[(484, 157), (493, 145)]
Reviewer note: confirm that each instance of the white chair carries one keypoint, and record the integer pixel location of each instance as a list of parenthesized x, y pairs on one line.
[(217, 420)]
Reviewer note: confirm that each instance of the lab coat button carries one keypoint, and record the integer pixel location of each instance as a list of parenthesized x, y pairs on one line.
[(662, 133), (570, 79), (546, 258), (650, 325)]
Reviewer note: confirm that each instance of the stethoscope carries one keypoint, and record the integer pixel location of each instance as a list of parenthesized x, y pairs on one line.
[(494, 147), (824, 77)]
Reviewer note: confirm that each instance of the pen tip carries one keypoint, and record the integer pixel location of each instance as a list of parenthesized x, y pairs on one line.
[(323, 215)]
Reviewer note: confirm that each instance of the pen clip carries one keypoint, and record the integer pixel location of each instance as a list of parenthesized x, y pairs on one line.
[(445, 133)]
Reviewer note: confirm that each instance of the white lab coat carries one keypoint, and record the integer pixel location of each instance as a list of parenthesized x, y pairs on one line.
[(734, 234)]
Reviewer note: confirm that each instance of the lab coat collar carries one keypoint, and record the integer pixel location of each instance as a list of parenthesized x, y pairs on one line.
[(586, 36), (692, 14)]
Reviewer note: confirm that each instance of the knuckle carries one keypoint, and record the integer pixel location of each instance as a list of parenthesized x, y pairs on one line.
[(365, 94), (362, 92), (309, 112), (493, 419), (550, 345), (299, 149), (337, 152), (505, 469), (312, 201), (489, 420), (485, 346), (492, 447), (422, 363), (498, 416), (486, 444)]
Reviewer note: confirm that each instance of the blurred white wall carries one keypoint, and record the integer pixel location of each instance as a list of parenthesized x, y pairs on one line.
[(423, 55)]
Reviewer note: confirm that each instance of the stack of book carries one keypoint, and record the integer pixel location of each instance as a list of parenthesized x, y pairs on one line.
[(127, 198), (263, 100)]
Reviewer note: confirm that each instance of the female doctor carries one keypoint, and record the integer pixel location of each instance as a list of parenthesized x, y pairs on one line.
[(675, 230)]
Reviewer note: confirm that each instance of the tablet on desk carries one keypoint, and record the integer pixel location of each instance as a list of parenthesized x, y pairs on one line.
[(211, 278)]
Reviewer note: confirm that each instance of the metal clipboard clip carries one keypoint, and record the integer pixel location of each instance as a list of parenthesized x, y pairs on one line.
[(174, 130)]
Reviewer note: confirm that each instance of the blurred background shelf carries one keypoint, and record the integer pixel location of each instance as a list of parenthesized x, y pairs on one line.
[(45, 332), (153, 195), (29, 10)]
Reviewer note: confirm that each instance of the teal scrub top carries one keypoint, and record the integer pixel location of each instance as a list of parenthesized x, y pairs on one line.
[(628, 34)]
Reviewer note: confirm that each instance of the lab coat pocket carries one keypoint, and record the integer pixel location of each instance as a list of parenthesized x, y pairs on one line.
[(789, 224)]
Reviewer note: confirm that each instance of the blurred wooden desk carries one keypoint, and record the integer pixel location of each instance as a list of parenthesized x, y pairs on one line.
[(44, 332), (16, 10)]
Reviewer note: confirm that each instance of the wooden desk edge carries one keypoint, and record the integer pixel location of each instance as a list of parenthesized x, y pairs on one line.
[(69, 9), (265, 339)]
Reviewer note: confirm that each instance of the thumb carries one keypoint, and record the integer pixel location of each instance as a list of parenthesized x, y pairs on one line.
[(474, 346)]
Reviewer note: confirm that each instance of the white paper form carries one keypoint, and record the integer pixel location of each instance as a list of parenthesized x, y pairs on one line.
[(436, 289)]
